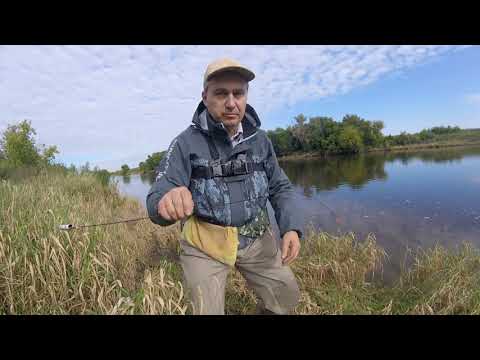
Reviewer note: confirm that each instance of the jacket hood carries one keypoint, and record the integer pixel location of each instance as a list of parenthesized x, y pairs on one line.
[(203, 121)]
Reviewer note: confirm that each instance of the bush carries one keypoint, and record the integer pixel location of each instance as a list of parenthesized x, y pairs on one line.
[(18, 147)]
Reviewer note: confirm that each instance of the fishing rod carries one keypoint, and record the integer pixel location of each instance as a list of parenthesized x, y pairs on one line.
[(75, 227)]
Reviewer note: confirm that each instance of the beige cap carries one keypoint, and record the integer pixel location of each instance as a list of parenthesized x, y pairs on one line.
[(225, 64)]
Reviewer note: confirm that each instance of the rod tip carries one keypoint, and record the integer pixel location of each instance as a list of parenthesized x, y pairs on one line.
[(66, 227)]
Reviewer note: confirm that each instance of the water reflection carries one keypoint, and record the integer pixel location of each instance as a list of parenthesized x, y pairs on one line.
[(148, 178), (328, 173), (432, 156)]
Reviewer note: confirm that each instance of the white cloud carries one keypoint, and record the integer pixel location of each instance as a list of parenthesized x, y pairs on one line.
[(120, 103)]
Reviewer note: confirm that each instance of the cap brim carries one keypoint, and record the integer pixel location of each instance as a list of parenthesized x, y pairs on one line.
[(245, 73)]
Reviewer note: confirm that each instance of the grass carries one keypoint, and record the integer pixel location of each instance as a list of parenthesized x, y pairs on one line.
[(133, 268)]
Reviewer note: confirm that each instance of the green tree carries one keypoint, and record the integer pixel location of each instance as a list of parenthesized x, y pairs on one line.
[(48, 154), (151, 162), (319, 130), (19, 149), (370, 132), (125, 169), (350, 140), (299, 132), (282, 141)]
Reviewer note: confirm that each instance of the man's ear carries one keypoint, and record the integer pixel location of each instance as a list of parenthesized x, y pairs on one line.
[(204, 97)]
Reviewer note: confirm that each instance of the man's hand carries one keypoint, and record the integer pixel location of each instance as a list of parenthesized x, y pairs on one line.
[(290, 247), (176, 204)]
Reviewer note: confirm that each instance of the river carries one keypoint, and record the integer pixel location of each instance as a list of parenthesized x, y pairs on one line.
[(407, 200)]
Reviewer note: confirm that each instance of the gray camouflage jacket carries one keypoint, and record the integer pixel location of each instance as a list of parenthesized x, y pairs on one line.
[(233, 201)]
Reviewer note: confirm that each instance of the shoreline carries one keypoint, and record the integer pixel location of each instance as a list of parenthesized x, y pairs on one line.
[(133, 268), (394, 149)]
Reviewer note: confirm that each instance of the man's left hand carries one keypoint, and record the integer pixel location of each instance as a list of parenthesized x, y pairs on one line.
[(290, 247)]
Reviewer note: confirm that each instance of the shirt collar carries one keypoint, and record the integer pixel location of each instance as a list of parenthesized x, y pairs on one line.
[(238, 133)]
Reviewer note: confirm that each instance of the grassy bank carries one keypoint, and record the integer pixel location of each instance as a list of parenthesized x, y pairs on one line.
[(133, 269)]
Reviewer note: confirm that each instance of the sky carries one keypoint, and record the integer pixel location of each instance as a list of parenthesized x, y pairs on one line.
[(114, 105)]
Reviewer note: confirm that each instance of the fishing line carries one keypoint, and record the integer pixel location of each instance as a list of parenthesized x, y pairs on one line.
[(73, 227)]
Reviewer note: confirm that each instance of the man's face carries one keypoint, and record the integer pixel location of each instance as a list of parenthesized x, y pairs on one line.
[(226, 99)]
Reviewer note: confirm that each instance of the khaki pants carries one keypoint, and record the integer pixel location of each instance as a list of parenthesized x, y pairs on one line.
[(259, 263)]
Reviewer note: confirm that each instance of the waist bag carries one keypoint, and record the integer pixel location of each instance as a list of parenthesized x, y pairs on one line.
[(219, 242)]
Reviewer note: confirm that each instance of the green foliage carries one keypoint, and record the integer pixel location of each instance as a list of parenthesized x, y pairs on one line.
[(324, 135), (18, 147), (426, 135), (370, 132), (151, 162), (125, 169), (282, 141), (21, 158), (350, 140)]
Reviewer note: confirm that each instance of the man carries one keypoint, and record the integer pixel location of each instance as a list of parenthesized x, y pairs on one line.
[(216, 178)]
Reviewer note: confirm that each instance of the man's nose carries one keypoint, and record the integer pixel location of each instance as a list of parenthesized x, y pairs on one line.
[(230, 102)]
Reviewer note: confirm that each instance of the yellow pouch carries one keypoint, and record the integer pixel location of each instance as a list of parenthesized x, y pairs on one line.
[(219, 242)]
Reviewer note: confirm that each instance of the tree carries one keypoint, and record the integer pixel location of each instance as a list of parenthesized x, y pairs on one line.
[(151, 162), (299, 131), (125, 169), (48, 154), (370, 132), (350, 140), (19, 149), (319, 129), (282, 141)]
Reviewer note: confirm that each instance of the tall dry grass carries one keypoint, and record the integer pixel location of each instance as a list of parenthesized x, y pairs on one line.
[(133, 268), (98, 270)]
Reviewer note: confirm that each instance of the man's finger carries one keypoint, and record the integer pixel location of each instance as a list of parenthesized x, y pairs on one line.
[(288, 255), (285, 247), (293, 252), (296, 251), (289, 258), (178, 204), (162, 211), (170, 208), (187, 202)]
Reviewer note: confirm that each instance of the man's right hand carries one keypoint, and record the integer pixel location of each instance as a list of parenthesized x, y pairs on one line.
[(176, 205)]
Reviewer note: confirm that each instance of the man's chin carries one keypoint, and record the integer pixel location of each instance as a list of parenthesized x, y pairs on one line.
[(230, 122)]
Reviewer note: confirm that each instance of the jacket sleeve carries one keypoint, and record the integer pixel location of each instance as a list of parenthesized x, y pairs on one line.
[(282, 196), (174, 171)]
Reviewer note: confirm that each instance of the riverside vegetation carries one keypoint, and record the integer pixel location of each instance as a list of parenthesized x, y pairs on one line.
[(132, 268), (320, 136)]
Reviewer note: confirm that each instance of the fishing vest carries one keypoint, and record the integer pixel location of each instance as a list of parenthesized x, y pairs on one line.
[(230, 193)]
